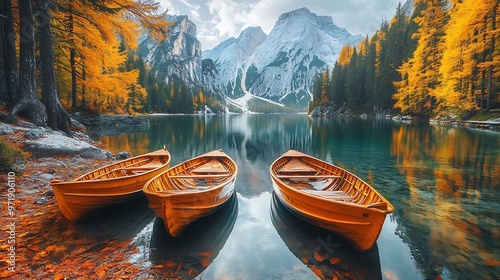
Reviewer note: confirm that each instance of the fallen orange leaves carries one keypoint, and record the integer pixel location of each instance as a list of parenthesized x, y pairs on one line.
[(87, 265), (34, 248), (318, 257), (335, 261), (205, 262), (492, 262), (7, 273), (206, 254), (59, 277)]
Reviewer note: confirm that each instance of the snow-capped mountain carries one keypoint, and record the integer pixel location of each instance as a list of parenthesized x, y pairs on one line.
[(228, 58), (281, 66), (179, 56), (278, 68)]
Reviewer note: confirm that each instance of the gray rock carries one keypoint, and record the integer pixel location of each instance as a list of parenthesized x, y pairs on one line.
[(59, 145), (122, 155), (50, 192), (46, 177), (35, 133), (43, 200), (6, 129), (18, 166), (78, 135), (76, 125), (56, 132)]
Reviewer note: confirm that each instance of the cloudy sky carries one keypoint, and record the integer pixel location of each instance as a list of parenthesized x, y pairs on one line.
[(218, 20)]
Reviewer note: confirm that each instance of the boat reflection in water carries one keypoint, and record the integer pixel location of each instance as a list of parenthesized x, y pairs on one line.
[(324, 252), (191, 253)]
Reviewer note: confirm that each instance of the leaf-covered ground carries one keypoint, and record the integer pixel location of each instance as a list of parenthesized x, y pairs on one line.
[(47, 246)]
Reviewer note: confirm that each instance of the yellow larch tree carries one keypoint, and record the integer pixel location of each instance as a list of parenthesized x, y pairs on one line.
[(345, 55), (94, 43), (463, 44), (416, 93)]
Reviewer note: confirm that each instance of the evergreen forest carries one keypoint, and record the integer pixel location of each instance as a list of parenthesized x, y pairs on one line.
[(441, 60)]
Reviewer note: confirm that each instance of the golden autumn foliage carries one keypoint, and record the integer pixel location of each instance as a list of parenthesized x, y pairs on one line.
[(93, 44), (420, 74), (444, 58), (465, 41), (449, 69), (345, 55)]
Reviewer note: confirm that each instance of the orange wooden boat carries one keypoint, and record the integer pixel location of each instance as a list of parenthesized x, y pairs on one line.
[(330, 197), (191, 190), (115, 183)]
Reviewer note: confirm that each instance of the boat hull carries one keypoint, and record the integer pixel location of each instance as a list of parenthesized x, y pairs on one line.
[(180, 197), (179, 210), (360, 224), (83, 196)]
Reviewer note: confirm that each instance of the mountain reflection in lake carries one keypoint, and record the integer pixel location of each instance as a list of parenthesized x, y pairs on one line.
[(442, 181)]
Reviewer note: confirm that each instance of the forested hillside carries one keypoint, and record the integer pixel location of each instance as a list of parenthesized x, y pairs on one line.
[(61, 56), (442, 59)]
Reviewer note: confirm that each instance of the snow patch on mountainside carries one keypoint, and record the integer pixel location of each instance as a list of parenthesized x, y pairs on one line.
[(279, 67)]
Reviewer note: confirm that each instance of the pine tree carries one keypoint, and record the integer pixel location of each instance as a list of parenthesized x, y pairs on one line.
[(353, 84), (416, 93), (338, 84), (371, 59)]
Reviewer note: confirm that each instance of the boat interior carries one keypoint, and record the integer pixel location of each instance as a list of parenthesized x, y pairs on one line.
[(133, 166), (327, 181), (198, 174)]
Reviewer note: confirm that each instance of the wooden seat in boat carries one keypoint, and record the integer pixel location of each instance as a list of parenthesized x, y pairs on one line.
[(333, 195), (295, 167), (155, 163), (212, 167)]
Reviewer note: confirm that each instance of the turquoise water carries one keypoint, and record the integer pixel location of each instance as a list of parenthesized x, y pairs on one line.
[(444, 183)]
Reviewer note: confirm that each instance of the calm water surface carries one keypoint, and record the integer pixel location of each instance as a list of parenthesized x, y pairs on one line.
[(443, 181)]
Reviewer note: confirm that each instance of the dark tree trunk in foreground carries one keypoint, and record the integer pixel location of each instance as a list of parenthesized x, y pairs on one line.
[(4, 95), (58, 118), (8, 41), (28, 104), (72, 63)]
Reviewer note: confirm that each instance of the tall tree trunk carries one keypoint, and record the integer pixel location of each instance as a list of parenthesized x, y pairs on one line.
[(72, 57), (58, 118), (490, 70), (28, 104), (4, 94), (483, 71), (9, 53), (84, 103)]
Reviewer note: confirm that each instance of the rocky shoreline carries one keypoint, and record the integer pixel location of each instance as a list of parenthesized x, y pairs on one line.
[(111, 124), (329, 110), (46, 244)]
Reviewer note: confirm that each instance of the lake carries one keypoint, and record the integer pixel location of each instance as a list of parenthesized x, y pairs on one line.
[(444, 183)]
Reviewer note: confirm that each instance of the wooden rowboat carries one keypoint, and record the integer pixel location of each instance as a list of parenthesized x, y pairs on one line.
[(115, 183), (330, 197), (191, 190)]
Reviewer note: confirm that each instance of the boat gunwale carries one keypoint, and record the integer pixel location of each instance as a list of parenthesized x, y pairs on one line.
[(102, 194), (390, 208), (79, 180), (181, 192)]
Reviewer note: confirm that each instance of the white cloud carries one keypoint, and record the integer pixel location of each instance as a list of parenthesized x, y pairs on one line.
[(190, 6), (222, 19), (228, 16)]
